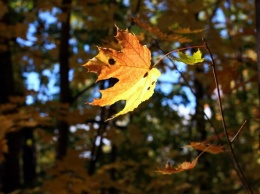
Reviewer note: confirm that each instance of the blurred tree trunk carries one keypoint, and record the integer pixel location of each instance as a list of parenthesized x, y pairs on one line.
[(113, 157), (63, 126), (199, 114), (96, 150), (28, 157), (201, 133), (10, 177), (11, 173), (6, 72)]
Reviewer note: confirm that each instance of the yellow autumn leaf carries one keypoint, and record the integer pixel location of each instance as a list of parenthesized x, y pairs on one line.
[(131, 66)]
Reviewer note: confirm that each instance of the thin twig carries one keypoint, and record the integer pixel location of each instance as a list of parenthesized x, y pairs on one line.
[(188, 84), (192, 91), (74, 98), (257, 24), (96, 149), (242, 126), (233, 155)]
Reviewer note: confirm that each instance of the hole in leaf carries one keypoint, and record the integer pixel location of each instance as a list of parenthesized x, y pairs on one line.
[(111, 61), (108, 83), (119, 106), (146, 74), (148, 88)]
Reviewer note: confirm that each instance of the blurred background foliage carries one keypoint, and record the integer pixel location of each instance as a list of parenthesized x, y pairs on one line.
[(52, 142)]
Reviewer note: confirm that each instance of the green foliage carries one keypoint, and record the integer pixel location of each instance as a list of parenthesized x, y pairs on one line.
[(190, 60)]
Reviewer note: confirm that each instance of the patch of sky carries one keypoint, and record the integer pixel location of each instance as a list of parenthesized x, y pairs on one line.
[(33, 83), (227, 4), (171, 76), (177, 99), (155, 6), (86, 154), (49, 46), (98, 140), (80, 61), (73, 43), (220, 22), (29, 36), (106, 141), (29, 99), (32, 79), (183, 111), (208, 112), (206, 67), (149, 138), (71, 73), (126, 3), (52, 75), (86, 48), (167, 81), (49, 17), (74, 128), (149, 5), (162, 6), (190, 96)]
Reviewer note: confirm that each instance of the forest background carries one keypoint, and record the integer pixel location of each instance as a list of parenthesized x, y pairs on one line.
[(52, 142)]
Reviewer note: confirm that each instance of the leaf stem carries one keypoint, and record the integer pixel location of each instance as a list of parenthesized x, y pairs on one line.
[(233, 155), (239, 130)]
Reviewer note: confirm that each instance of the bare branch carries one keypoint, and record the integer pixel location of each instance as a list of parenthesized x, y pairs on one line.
[(242, 126), (233, 155)]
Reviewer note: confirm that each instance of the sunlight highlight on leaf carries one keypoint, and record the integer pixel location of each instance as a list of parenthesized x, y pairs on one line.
[(131, 66), (190, 60)]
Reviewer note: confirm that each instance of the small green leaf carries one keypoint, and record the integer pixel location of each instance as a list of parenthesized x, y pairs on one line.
[(190, 60)]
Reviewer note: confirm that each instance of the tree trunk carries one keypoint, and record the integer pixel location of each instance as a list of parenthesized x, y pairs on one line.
[(96, 150), (29, 157), (257, 15), (10, 177), (6, 74), (199, 114), (201, 133), (63, 126), (11, 172)]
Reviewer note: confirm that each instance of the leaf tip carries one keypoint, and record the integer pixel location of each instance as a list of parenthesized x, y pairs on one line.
[(117, 28)]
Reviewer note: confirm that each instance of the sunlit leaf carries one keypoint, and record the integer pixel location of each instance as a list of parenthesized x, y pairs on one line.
[(131, 66), (190, 60)]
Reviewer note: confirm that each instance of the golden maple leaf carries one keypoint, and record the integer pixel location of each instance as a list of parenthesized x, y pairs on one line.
[(131, 66)]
